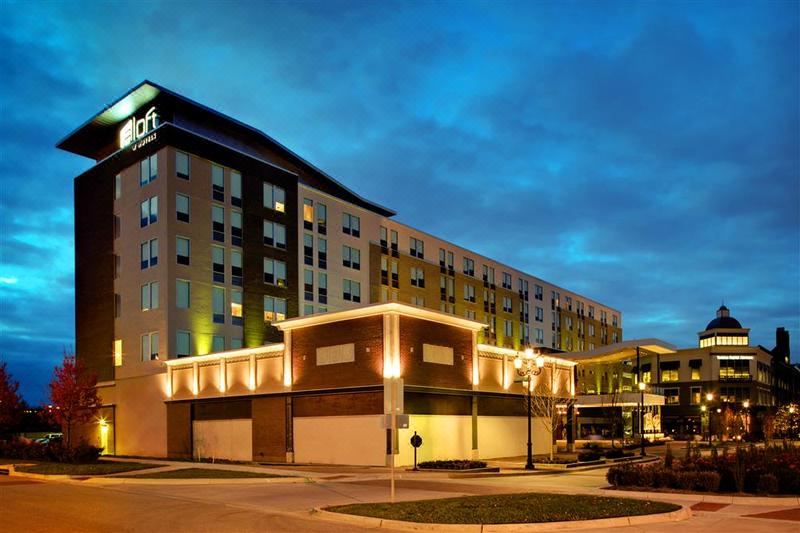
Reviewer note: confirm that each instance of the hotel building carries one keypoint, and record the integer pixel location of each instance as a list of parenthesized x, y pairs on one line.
[(198, 236)]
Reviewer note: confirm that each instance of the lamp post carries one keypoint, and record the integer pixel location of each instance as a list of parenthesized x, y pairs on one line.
[(527, 367), (703, 419), (746, 406), (642, 386), (709, 399)]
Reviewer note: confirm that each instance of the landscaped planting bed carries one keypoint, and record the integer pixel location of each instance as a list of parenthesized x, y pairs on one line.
[(452, 464), (98, 468), (770, 470), (203, 473), (507, 509)]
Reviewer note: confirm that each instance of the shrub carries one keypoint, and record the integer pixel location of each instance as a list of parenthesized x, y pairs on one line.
[(615, 453), (54, 451), (584, 457), (452, 464), (664, 478), (686, 480), (707, 481), (767, 484)]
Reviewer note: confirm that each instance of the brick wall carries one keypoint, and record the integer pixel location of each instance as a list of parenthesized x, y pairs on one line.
[(414, 333)]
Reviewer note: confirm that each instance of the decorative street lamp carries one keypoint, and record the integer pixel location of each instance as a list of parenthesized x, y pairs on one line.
[(746, 406), (704, 421), (527, 367), (642, 387)]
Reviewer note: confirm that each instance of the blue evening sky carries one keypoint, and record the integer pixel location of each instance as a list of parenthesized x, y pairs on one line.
[(645, 154)]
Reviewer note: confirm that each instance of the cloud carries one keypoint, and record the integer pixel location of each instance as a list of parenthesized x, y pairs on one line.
[(645, 155)]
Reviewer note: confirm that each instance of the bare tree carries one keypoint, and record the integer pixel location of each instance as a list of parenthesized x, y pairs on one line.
[(551, 397), (614, 398)]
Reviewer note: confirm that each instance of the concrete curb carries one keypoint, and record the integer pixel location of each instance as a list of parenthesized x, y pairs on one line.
[(684, 513), (778, 501), (116, 480)]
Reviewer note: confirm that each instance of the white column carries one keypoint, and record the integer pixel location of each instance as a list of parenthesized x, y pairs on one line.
[(287, 359), (252, 368), (475, 369), (223, 378), (195, 379)]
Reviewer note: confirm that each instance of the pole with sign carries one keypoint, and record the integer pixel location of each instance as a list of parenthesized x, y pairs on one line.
[(416, 442)]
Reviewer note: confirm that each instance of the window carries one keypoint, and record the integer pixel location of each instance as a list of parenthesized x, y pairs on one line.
[(646, 373), (217, 183), (695, 395), (488, 274), (218, 223), (322, 253), (149, 299), (236, 343), (322, 278), (469, 293), (351, 290), (506, 280), (539, 292), (274, 234), (614, 320), (149, 212), (308, 285), (591, 330), (322, 218), (539, 314), (417, 277), (308, 309), (117, 186), (236, 268), (418, 301), (217, 343), (274, 309), (539, 336), (351, 257), (236, 228), (182, 249), (469, 266), (695, 365), (671, 396), (524, 333), (351, 225), (218, 264), (395, 275), (236, 189), (508, 328), (218, 304), (183, 343), (237, 318), (274, 272), (469, 313), (308, 249), (149, 344), (183, 294), (149, 253), (507, 306), (417, 248), (308, 214), (182, 203), (393, 242), (670, 375), (182, 165), (734, 369), (148, 170), (274, 197)]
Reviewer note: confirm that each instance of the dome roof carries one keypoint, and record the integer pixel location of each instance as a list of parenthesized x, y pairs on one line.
[(724, 320)]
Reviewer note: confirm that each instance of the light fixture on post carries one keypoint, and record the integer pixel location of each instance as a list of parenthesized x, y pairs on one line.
[(642, 387), (528, 366), (746, 408)]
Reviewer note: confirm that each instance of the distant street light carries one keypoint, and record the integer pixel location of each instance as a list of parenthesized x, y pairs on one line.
[(642, 387)]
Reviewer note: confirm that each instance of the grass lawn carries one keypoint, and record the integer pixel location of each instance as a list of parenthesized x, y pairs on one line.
[(87, 469), (203, 473), (507, 509)]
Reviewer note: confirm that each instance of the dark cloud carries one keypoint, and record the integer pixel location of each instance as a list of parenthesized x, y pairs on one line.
[(645, 155)]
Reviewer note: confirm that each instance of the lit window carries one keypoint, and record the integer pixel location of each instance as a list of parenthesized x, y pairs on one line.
[(182, 165), (218, 305), (236, 189), (148, 170), (217, 183), (182, 249), (183, 293), (183, 343), (274, 272), (182, 203), (118, 352), (274, 197), (308, 213), (237, 318), (274, 309), (671, 396)]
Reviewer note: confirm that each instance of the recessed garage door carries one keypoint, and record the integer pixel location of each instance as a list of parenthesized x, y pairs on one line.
[(223, 439)]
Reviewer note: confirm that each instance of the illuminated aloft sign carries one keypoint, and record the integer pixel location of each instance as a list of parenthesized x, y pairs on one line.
[(135, 130)]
